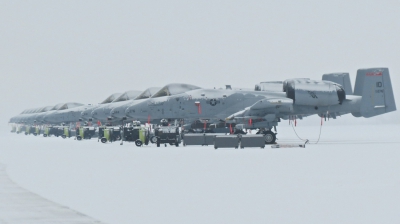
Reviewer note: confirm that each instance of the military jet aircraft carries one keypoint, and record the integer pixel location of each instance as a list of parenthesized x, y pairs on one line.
[(119, 112), (86, 115), (102, 112), (143, 110), (373, 95), (24, 115), (61, 113)]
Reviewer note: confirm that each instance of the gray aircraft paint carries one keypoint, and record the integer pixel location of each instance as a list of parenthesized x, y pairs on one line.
[(373, 96), (63, 113), (119, 112), (342, 78), (102, 112), (86, 115)]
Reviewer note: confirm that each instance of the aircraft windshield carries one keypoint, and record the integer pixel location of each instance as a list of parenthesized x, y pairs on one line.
[(111, 98), (36, 110), (173, 89), (148, 93), (56, 107), (69, 105), (129, 95), (46, 108)]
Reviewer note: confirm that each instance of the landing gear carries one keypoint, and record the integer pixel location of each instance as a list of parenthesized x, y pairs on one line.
[(269, 137)]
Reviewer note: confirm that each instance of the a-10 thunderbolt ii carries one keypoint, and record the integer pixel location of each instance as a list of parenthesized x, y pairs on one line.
[(70, 112), (102, 112), (117, 112), (86, 115), (373, 95)]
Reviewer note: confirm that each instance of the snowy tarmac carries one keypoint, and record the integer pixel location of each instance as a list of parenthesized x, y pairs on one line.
[(19, 206), (351, 176)]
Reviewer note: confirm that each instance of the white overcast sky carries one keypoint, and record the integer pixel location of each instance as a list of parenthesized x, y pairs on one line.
[(59, 51)]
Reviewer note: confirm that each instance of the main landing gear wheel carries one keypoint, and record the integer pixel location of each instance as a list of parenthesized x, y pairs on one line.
[(269, 137)]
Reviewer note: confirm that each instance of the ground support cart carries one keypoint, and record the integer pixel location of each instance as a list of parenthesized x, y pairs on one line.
[(137, 134), (66, 133), (20, 128), (167, 135), (50, 130), (85, 133), (109, 133)]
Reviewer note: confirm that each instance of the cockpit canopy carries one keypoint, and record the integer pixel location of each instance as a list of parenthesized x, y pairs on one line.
[(32, 110), (111, 98), (174, 89), (44, 109), (64, 106), (148, 93), (128, 95)]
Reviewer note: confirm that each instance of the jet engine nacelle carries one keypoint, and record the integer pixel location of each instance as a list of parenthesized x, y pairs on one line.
[(314, 93)]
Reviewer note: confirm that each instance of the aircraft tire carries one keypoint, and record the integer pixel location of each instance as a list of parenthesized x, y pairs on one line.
[(103, 140), (269, 137)]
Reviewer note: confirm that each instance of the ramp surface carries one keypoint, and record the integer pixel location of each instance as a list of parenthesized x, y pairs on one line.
[(20, 206)]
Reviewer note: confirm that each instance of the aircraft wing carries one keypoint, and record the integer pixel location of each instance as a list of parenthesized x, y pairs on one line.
[(263, 107)]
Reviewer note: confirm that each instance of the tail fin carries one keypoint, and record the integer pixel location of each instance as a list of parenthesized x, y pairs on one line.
[(340, 78), (375, 87)]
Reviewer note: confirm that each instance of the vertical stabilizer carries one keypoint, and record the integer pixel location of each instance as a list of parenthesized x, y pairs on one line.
[(340, 78), (375, 88)]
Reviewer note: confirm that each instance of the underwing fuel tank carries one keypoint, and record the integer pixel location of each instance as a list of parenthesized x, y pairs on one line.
[(314, 93)]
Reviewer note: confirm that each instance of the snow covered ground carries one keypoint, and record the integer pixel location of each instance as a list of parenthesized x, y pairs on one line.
[(351, 176), (19, 206)]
